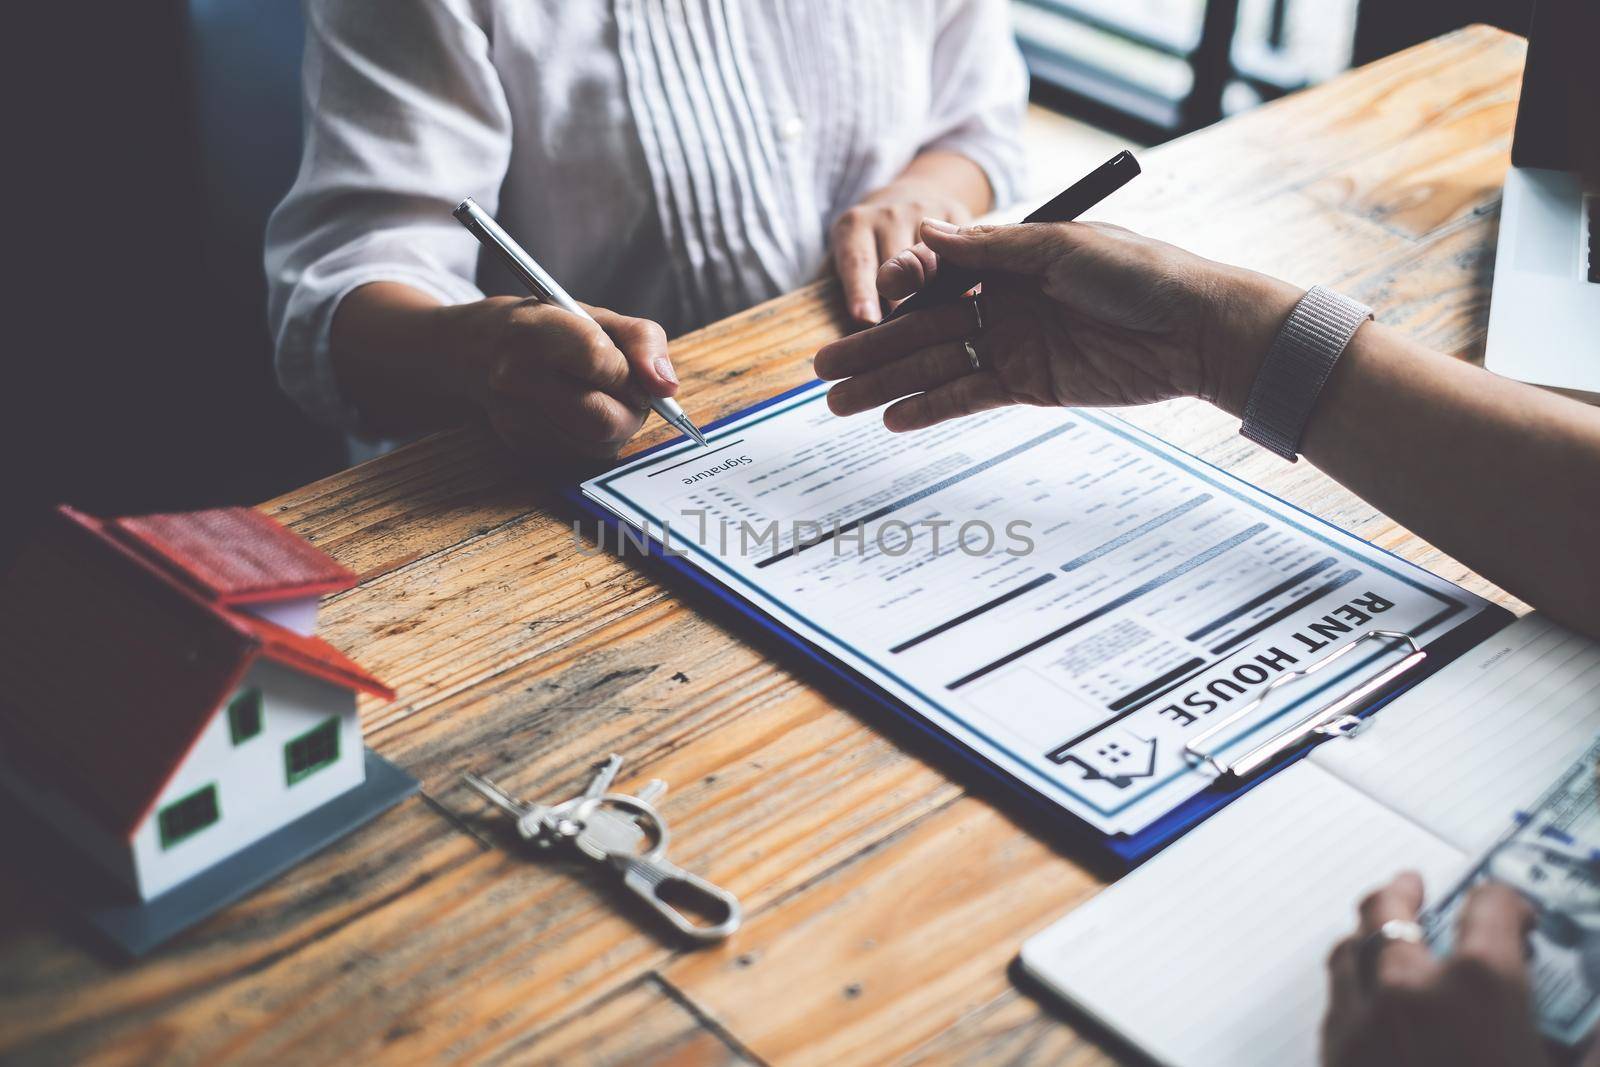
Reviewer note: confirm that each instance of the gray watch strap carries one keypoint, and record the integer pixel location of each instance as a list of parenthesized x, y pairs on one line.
[(1302, 356)]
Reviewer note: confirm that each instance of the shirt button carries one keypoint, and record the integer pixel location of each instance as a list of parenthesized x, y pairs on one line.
[(792, 128)]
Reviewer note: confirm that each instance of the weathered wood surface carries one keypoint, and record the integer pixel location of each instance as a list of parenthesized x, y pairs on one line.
[(884, 901)]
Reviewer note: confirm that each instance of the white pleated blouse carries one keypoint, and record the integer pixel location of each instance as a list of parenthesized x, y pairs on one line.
[(674, 159)]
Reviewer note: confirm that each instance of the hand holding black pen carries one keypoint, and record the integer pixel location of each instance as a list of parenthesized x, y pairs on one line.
[(1082, 315), (953, 281)]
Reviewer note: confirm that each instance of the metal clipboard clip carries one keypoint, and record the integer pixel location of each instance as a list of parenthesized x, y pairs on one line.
[(1330, 720)]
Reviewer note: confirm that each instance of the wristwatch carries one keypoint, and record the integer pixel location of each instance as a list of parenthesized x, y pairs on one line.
[(1297, 365)]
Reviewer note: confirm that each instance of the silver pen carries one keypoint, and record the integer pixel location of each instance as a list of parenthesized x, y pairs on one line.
[(492, 236)]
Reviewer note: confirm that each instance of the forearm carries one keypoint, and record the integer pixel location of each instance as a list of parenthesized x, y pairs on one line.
[(1501, 475), (954, 174), (397, 353)]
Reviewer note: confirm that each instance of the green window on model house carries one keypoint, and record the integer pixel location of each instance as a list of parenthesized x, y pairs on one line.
[(187, 816), (312, 750), (244, 715)]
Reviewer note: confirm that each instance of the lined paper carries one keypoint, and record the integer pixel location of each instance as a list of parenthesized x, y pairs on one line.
[(1212, 954), (1484, 737)]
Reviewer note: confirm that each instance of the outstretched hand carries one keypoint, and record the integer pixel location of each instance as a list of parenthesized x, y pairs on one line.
[(1071, 314)]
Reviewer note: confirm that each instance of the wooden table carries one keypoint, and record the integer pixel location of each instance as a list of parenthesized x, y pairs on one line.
[(884, 901)]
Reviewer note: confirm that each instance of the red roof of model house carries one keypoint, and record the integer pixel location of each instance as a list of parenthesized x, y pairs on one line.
[(119, 639), (234, 555)]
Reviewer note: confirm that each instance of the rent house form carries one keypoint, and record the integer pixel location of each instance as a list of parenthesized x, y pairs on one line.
[(164, 701)]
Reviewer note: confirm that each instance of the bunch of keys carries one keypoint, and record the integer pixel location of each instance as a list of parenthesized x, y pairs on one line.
[(627, 834)]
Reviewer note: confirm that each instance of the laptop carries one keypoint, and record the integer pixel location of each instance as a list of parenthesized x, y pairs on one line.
[(1544, 315)]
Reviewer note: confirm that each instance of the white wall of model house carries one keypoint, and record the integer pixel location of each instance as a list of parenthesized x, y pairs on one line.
[(254, 794), (297, 613)]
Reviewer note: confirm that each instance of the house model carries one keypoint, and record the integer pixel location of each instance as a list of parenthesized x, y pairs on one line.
[(167, 710)]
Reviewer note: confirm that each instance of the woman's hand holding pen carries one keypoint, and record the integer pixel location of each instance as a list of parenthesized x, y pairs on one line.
[(1071, 314), (551, 383), (548, 379)]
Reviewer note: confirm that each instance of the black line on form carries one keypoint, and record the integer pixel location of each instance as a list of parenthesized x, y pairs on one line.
[(1112, 605), (696, 458), (1151, 686), (968, 616)]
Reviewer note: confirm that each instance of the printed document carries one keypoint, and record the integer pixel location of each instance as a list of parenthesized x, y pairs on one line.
[(1069, 597)]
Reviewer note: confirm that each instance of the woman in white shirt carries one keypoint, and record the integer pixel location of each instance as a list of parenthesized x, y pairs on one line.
[(671, 161)]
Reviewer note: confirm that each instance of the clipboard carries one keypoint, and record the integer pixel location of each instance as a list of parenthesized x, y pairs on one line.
[(1366, 697)]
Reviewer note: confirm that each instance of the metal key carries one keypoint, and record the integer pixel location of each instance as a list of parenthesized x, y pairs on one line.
[(495, 795), (545, 824), (600, 784), (627, 834), (531, 818)]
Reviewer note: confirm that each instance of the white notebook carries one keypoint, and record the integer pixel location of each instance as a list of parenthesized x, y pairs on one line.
[(1213, 953)]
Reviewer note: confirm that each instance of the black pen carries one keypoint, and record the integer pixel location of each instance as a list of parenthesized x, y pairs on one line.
[(492, 236), (952, 282)]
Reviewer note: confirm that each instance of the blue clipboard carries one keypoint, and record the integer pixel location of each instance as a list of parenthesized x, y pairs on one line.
[(1046, 816)]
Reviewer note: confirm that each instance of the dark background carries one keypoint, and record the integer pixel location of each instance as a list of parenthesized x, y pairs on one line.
[(149, 140)]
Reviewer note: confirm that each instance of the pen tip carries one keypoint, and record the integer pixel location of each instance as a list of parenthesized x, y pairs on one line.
[(688, 428)]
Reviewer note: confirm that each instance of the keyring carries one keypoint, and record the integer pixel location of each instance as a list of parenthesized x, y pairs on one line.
[(713, 914), (626, 834), (972, 357), (977, 316), (643, 811)]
